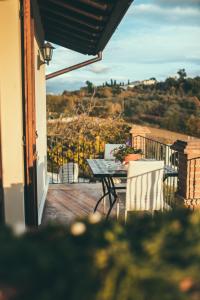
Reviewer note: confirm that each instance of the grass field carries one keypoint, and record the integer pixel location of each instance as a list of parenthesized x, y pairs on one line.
[(166, 136)]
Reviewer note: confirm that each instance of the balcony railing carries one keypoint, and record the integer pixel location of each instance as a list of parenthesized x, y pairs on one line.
[(156, 150), (67, 161)]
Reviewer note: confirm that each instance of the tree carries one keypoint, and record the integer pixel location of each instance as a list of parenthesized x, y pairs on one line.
[(170, 82), (90, 86), (182, 74)]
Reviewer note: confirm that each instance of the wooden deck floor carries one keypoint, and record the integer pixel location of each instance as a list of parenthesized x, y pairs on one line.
[(66, 202)]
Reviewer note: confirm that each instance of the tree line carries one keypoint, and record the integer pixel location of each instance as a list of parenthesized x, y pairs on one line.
[(173, 104)]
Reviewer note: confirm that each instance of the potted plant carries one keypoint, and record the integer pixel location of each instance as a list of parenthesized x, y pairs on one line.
[(127, 153)]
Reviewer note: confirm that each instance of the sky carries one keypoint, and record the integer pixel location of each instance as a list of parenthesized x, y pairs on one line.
[(156, 38)]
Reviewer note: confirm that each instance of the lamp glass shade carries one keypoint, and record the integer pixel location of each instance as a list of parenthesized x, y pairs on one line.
[(48, 52)]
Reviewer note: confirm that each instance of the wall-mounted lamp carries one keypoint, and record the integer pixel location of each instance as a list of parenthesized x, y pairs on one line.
[(47, 53)]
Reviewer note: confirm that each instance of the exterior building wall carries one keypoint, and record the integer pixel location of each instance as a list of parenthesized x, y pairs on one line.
[(41, 142), (11, 111), (189, 172)]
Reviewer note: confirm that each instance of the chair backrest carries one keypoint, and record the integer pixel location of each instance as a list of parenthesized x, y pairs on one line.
[(68, 173), (145, 185), (108, 153)]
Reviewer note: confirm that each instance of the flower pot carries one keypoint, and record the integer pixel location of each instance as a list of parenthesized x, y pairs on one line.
[(133, 156)]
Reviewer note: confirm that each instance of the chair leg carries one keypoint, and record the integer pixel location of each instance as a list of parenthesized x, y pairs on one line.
[(117, 209), (126, 215), (104, 205)]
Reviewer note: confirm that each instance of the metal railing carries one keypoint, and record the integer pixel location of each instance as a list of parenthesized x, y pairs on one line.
[(152, 149), (66, 162)]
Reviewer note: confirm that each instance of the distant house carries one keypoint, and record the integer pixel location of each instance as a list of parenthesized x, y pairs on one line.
[(136, 83), (25, 25), (148, 82)]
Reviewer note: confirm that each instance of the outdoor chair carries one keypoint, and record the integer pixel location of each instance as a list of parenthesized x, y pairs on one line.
[(68, 173), (144, 189)]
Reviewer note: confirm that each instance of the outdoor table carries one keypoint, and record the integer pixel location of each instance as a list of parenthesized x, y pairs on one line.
[(106, 170)]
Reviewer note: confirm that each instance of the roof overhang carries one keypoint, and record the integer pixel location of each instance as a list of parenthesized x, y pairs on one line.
[(84, 26)]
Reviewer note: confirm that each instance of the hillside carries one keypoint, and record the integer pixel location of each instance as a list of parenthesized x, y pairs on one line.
[(173, 104)]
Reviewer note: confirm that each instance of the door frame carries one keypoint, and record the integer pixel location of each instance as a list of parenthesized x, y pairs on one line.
[(29, 114), (2, 212)]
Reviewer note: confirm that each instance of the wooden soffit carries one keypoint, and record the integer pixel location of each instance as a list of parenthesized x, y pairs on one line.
[(84, 26)]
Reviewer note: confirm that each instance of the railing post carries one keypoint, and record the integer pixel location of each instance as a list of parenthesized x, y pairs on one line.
[(138, 135), (189, 172)]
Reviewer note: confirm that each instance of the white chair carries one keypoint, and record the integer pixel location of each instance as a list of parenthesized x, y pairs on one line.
[(68, 173), (144, 190), (108, 153)]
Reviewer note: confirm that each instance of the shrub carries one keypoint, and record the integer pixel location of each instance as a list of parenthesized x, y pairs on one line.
[(149, 258), (83, 138)]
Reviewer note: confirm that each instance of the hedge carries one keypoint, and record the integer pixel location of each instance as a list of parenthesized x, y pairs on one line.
[(148, 259)]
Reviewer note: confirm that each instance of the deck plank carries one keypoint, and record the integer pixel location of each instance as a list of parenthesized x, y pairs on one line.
[(66, 202)]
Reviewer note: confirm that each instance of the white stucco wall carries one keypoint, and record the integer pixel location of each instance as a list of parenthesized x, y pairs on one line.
[(11, 111), (41, 144)]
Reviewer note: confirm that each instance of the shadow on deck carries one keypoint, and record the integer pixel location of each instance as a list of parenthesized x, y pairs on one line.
[(66, 202)]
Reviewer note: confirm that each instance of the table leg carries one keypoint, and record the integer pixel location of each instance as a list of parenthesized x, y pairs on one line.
[(104, 199), (104, 186), (114, 194), (108, 190)]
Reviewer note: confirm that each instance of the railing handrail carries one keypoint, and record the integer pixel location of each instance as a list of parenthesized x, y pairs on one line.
[(158, 142), (194, 158)]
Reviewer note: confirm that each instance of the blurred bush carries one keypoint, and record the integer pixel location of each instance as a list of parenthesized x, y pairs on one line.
[(148, 259)]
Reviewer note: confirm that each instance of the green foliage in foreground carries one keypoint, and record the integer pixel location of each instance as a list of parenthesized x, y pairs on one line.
[(148, 259)]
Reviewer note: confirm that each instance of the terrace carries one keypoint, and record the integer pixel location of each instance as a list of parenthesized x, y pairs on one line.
[(73, 189), (74, 192)]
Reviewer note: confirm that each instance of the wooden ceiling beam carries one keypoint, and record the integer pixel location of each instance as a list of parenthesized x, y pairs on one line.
[(70, 40), (45, 11), (58, 22), (74, 47), (64, 32), (78, 10), (101, 6)]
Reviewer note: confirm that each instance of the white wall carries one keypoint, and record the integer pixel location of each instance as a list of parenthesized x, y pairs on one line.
[(11, 116), (11, 111), (41, 145)]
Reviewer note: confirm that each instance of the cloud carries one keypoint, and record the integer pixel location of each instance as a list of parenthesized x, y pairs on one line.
[(165, 15), (172, 59), (58, 85), (98, 69), (178, 3)]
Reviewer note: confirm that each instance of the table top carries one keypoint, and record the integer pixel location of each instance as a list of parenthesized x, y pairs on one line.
[(103, 168)]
